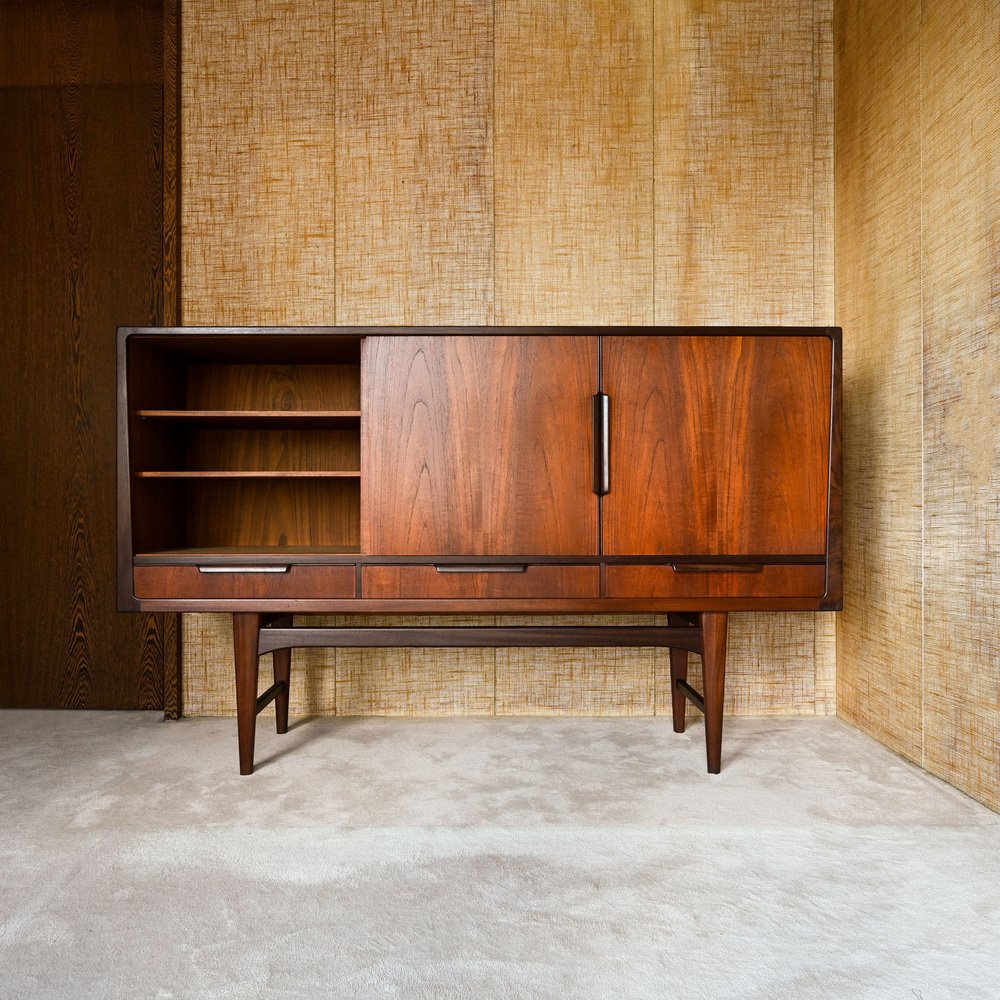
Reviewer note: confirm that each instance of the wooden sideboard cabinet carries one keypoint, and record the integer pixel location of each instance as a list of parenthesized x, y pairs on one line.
[(688, 472)]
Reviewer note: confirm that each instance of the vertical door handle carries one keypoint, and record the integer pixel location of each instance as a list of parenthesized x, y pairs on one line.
[(602, 444)]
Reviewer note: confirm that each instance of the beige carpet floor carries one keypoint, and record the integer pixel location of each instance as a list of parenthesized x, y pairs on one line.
[(486, 858)]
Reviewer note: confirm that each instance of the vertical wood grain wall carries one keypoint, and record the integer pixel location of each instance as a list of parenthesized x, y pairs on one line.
[(918, 295), (520, 161), (85, 245)]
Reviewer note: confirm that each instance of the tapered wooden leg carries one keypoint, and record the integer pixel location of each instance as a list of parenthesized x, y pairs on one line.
[(713, 634), (246, 639), (282, 677), (678, 672)]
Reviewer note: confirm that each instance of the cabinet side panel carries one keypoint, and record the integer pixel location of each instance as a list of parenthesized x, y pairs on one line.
[(479, 446)]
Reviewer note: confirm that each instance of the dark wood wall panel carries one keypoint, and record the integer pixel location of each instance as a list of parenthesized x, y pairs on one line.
[(81, 156)]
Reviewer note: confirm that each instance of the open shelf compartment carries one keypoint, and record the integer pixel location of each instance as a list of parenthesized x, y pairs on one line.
[(243, 441)]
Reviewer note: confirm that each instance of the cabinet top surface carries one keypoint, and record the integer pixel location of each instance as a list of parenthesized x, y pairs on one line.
[(479, 331)]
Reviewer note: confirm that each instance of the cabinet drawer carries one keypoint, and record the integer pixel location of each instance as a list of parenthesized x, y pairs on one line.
[(692, 581), (290, 582), (488, 582)]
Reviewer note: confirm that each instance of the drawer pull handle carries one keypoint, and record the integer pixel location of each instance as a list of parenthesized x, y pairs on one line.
[(717, 568), (244, 569), (481, 567)]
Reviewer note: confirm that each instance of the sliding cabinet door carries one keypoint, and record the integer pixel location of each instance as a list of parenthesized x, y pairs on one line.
[(478, 445)]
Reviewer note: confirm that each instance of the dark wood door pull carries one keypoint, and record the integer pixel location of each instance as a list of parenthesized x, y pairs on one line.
[(481, 567), (602, 444), (717, 567)]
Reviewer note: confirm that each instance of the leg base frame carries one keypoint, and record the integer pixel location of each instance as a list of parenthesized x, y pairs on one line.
[(255, 634)]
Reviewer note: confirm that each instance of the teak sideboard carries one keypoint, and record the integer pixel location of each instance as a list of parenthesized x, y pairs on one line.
[(688, 472)]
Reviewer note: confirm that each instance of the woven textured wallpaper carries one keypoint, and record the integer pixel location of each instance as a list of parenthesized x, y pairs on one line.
[(918, 295), (461, 162), (878, 305), (258, 162), (961, 281)]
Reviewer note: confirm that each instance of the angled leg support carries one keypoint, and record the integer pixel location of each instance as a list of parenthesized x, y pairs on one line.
[(246, 649), (678, 672)]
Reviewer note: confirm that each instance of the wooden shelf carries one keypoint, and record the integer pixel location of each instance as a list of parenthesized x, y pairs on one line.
[(248, 474), (257, 418)]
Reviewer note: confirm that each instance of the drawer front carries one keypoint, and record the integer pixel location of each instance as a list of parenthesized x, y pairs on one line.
[(694, 582), (471, 582), (291, 583)]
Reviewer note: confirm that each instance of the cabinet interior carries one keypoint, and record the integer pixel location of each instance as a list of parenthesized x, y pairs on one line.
[(249, 454)]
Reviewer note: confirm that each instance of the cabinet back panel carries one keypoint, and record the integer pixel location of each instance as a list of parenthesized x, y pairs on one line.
[(158, 515), (719, 445), (273, 512), (272, 450), (273, 387)]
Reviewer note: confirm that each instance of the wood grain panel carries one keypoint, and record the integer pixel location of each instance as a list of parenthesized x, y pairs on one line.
[(258, 182), (879, 308), (574, 162), (81, 217), (501, 426), (763, 581), (190, 582), (273, 387), (54, 43), (960, 138), (391, 582), (708, 442), (269, 450), (270, 512), (414, 111)]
